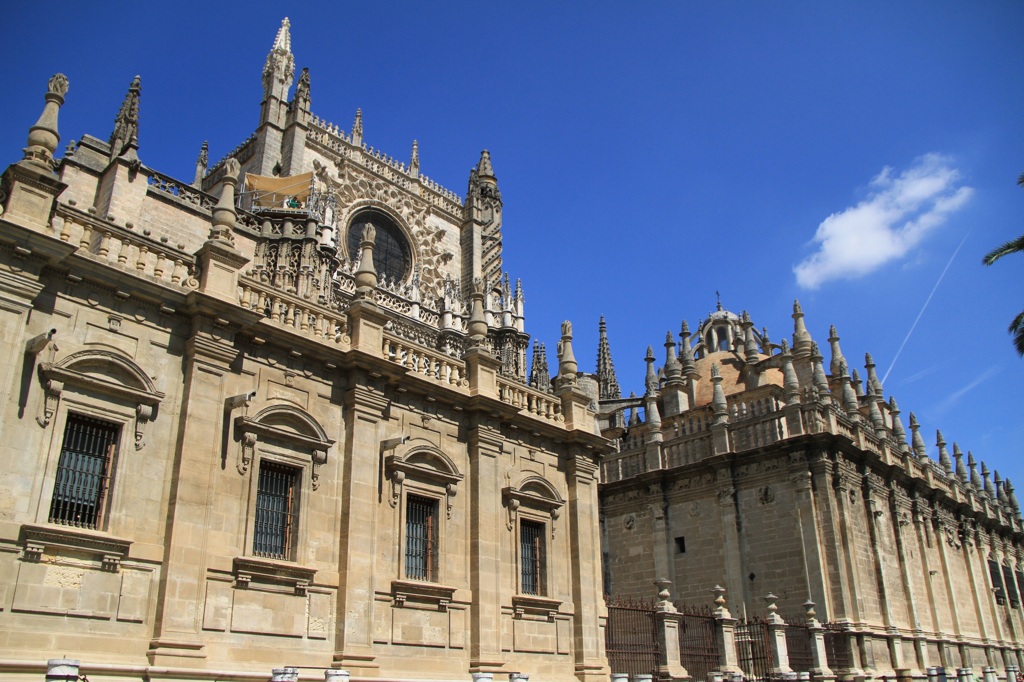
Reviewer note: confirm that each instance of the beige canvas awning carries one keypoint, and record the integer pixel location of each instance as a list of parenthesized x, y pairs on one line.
[(273, 192)]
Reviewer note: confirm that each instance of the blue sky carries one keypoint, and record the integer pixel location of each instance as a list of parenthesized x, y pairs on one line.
[(648, 154)]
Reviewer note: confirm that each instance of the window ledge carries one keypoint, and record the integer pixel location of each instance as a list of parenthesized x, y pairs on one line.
[(523, 604), (270, 571), (416, 591), (37, 539)]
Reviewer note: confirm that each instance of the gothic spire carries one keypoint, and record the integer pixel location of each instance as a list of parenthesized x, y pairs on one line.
[(750, 355), (126, 124), (484, 169), (685, 352), (820, 382), (989, 489), (790, 384), (278, 74), (874, 385), (540, 375), (607, 383), (651, 380), (850, 404), (897, 425), (302, 100)]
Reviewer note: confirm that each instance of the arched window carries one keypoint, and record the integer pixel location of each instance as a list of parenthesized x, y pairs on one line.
[(392, 257)]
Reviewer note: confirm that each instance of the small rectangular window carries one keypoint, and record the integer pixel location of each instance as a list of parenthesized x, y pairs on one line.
[(533, 568), (1011, 587), (681, 545), (83, 472), (421, 538), (277, 507), (997, 582)]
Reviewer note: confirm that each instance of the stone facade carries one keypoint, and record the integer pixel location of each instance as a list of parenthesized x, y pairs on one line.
[(756, 469), (237, 436)]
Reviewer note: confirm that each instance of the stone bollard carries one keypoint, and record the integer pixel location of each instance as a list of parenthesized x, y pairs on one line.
[(286, 674), (483, 677), (620, 677), (336, 675), (643, 678), (518, 677), (62, 670), (933, 673), (804, 677), (714, 676), (963, 674), (988, 673), (735, 677), (942, 673)]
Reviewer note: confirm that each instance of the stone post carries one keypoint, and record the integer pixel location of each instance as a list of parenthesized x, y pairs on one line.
[(963, 674), (777, 638), (620, 677), (819, 657), (518, 677), (336, 675), (287, 674), (482, 677), (725, 634), (933, 673), (669, 621), (989, 674), (62, 670)]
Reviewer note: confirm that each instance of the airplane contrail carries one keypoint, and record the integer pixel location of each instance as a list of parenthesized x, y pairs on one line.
[(927, 301)]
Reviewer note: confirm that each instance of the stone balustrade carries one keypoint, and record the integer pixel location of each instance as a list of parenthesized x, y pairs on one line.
[(530, 400), (423, 362), (298, 315)]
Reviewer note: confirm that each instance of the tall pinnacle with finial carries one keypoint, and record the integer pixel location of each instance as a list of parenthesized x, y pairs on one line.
[(126, 124), (750, 355), (917, 440), (685, 352), (202, 162), (1011, 497), (801, 337), (973, 466), (819, 380), (278, 74), (607, 383), (850, 404), (988, 487), (944, 460), (567, 366), (357, 128), (897, 425), (961, 469), (224, 213), (540, 375), (874, 385), (1000, 495), (856, 383), (651, 379), (414, 161), (634, 418), (43, 136), (837, 353), (366, 276), (673, 370), (718, 404), (790, 384)]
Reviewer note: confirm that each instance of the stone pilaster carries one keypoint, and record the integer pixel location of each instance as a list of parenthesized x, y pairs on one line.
[(365, 405), (487, 537), (585, 567)]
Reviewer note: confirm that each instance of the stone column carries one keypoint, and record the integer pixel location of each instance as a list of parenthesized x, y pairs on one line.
[(725, 633), (365, 405), (487, 535), (819, 656), (585, 567), (777, 638), (669, 621)]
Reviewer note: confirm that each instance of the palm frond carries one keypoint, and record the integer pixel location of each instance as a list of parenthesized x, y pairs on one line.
[(1020, 180), (1012, 246), (1017, 329)]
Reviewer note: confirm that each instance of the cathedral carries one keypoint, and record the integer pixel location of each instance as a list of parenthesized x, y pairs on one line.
[(281, 414)]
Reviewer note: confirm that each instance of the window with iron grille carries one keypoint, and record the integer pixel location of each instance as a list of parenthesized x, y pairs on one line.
[(1011, 587), (421, 538), (533, 562), (995, 574), (277, 507), (83, 472)]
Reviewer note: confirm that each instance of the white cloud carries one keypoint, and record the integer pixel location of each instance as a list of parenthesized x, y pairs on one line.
[(897, 214)]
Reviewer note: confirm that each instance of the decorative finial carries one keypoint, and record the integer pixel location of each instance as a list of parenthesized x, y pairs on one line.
[(673, 370), (837, 353), (973, 466), (961, 469), (718, 300), (850, 403), (651, 380), (224, 214), (567, 366), (718, 404), (43, 136), (126, 124), (801, 338), (607, 383), (897, 425), (484, 168), (202, 162), (944, 460), (820, 384), (917, 441), (366, 275)]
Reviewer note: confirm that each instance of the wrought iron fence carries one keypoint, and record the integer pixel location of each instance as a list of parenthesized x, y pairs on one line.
[(798, 645), (837, 646), (631, 637), (698, 645), (753, 649)]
